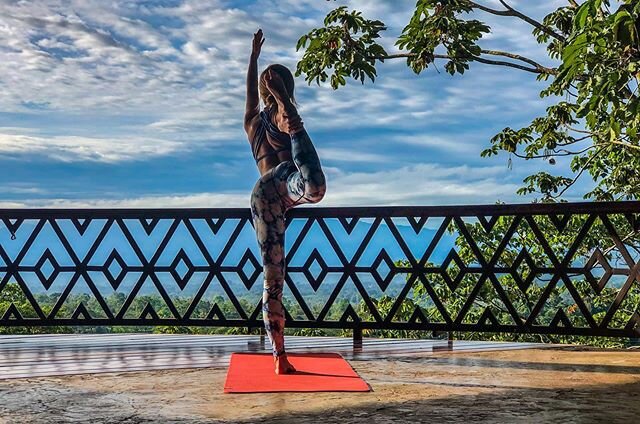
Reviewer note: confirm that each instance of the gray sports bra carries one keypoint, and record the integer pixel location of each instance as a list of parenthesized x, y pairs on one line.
[(261, 136)]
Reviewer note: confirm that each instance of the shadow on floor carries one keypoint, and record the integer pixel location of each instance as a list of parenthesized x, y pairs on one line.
[(599, 404), (523, 365)]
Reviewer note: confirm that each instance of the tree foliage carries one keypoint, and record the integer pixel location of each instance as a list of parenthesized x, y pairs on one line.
[(593, 70), (595, 44)]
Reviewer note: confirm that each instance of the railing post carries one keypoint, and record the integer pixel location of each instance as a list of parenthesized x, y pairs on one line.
[(357, 337)]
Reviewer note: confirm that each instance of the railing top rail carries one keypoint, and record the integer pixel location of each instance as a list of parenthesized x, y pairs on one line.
[(330, 212)]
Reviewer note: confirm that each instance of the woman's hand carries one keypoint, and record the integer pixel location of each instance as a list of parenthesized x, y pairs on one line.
[(258, 41), (275, 85)]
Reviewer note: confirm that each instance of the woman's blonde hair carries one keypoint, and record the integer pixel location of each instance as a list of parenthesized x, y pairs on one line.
[(287, 77)]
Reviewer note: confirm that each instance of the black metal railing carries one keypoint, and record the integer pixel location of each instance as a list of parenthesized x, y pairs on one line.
[(531, 268)]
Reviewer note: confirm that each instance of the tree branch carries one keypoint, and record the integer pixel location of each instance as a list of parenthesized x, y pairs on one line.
[(539, 69), (556, 153), (632, 146), (577, 140), (584, 168), (623, 239), (543, 69), (399, 55), (580, 131), (512, 12), (489, 10), (533, 22), (508, 64)]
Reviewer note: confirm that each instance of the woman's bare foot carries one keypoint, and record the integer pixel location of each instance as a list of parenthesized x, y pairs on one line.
[(283, 366), (276, 87), (287, 120)]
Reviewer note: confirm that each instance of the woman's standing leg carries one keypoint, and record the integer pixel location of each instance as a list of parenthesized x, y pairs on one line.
[(286, 186), (268, 211)]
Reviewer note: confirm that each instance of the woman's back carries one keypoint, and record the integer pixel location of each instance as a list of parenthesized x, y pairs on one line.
[(269, 145)]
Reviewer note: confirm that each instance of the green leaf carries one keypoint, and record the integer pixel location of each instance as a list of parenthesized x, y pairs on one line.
[(583, 13)]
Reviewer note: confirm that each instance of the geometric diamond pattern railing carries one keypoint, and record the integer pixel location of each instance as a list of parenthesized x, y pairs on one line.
[(537, 268)]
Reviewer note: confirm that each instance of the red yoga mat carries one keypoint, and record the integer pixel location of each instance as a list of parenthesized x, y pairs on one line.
[(315, 372)]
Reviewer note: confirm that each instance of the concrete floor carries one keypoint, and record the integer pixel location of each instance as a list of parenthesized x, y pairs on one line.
[(536, 384)]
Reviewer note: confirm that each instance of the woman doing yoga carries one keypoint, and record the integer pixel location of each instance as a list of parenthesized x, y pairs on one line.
[(290, 175)]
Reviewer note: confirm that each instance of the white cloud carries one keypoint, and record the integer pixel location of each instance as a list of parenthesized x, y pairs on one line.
[(423, 184), (73, 148), (125, 64), (209, 200), (183, 86), (22, 189), (456, 142), (349, 155)]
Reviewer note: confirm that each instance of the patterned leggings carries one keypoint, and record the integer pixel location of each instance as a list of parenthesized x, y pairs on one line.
[(285, 186)]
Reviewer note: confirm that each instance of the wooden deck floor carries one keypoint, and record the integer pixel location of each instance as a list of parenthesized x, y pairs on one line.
[(51, 355)]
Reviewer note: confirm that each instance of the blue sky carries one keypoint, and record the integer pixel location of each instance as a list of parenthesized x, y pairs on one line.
[(140, 104)]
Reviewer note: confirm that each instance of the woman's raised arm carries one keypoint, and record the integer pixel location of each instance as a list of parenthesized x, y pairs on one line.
[(253, 100)]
